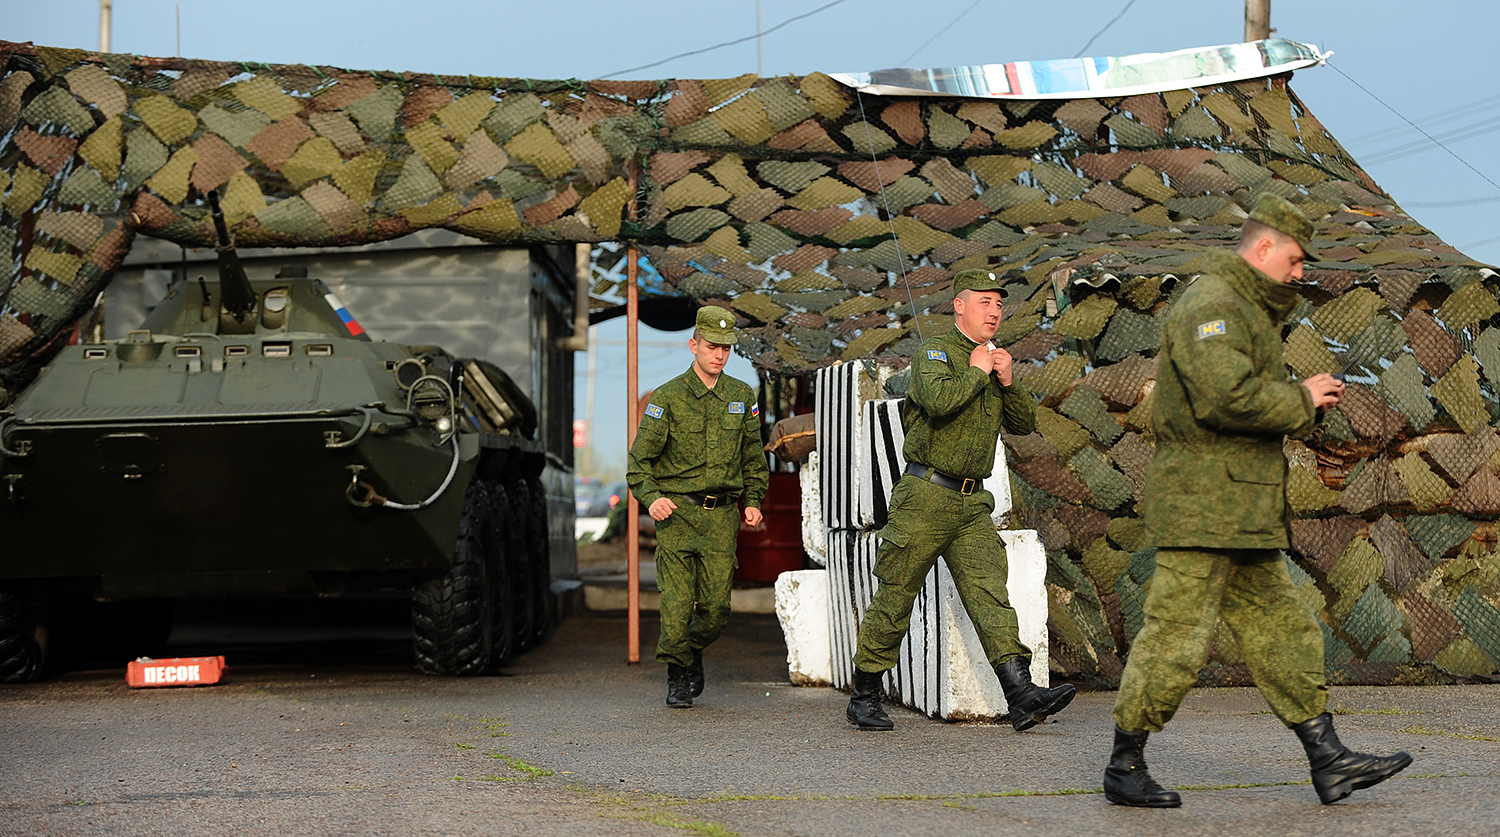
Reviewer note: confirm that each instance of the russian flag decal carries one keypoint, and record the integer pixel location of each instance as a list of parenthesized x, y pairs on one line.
[(355, 329)]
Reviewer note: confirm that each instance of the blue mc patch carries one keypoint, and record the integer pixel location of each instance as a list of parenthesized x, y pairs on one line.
[(1213, 329), (737, 407), (654, 411), (937, 354)]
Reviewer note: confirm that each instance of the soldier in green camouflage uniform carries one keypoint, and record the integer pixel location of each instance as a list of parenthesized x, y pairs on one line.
[(962, 395), (1215, 507), (698, 451)]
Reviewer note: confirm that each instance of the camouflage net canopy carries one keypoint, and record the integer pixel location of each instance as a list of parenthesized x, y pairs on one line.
[(832, 224)]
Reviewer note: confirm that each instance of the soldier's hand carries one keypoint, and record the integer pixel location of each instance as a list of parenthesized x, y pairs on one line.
[(661, 509), (982, 358), (1002, 360), (1326, 390), (752, 517)]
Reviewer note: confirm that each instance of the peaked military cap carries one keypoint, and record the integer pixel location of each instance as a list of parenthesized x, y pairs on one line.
[(716, 325), (978, 279), (1279, 214)]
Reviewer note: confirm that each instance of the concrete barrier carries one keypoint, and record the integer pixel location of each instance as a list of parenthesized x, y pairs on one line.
[(942, 670), (802, 608)]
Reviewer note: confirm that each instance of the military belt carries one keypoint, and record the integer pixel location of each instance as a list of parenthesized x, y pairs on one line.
[(707, 501), (962, 485)]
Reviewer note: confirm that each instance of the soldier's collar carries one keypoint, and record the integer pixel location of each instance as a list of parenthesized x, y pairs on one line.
[(696, 384), (960, 332), (1276, 297)]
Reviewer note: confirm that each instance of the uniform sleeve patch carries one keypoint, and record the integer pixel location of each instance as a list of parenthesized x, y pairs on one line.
[(937, 354), (737, 407), (654, 411), (1211, 329), (755, 409)]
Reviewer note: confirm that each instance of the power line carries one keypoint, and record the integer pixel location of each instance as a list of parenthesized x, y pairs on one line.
[(822, 8), (1471, 245), (1415, 125), (940, 32), (1468, 109), (1444, 204), (1473, 129), (1105, 29)]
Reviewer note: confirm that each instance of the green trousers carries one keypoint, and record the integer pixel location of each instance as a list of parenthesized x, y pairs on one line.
[(695, 564), (1251, 590), (926, 521)]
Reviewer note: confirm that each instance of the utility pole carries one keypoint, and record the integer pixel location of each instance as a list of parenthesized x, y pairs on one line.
[(105, 6), (1257, 20), (757, 39)]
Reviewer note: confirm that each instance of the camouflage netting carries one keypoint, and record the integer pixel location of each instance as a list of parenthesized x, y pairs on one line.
[(833, 223)]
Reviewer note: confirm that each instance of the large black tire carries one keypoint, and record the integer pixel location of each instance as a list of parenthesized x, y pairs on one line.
[(450, 611), (502, 604), (540, 553), (22, 657), (518, 562)]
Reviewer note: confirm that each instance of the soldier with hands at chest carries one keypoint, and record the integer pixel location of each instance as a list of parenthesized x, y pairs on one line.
[(963, 393)]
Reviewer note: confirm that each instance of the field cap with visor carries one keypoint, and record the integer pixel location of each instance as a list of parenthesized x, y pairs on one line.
[(1279, 214), (716, 325), (978, 279)]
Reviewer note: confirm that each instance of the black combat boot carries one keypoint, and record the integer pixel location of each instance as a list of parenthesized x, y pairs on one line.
[(1126, 780), (864, 705), (695, 673), (1029, 704), (1338, 771), (678, 696)]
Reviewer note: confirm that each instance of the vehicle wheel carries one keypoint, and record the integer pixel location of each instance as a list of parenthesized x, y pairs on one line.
[(502, 604), (518, 560), (450, 612), (538, 548), (22, 654)]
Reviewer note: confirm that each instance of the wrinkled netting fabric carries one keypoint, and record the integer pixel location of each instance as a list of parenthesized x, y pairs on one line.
[(832, 225)]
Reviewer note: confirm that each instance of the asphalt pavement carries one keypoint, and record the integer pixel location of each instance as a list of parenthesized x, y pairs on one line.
[(322, 726)]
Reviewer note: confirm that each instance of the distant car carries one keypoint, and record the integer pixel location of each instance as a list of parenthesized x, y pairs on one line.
[(585, 489), (610, 496)]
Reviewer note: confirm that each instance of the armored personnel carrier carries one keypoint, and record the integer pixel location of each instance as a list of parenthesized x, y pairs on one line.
[(251, 439)]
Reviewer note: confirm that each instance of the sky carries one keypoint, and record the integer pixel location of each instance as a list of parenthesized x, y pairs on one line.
[(1394, 61)]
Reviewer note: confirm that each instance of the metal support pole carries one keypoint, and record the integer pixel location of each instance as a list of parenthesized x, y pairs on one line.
[(632, 403), (105, 7), (1257, 20)]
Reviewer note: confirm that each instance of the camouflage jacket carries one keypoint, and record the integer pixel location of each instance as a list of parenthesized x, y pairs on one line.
[(1222, 405), (695, 439), (954, 412)]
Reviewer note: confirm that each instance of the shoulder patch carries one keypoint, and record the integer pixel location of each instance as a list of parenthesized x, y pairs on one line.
[(755, 409), (1211, 329), (937, 354), (654, 411), (737, 407)]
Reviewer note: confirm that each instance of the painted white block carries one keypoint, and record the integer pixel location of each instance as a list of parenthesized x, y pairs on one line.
[(942, 670), (998, 484), (836, 395), (880, 461), (814, 536), (802, 609), (971, 691), (1027, 584)]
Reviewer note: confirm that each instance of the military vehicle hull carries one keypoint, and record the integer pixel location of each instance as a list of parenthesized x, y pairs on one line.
[(270, 448), (261, 502)]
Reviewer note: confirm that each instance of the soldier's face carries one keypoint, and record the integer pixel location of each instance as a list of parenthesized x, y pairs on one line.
[(978, 313), (1279, 257), (709, 357)]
